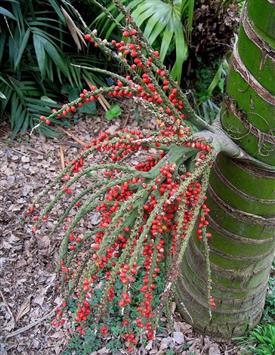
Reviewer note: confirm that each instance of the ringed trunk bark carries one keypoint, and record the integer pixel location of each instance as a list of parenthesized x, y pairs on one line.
[(241, 196)]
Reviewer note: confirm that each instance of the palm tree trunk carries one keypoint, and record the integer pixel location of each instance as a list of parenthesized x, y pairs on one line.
[(241, 196)]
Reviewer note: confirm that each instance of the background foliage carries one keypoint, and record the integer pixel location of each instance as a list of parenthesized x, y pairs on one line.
[(166, 24), (38, 44), (196, 31)]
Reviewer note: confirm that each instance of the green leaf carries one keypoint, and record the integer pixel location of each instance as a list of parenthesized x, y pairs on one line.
[(7, 13), (48, 100), (6, 90), (181, 54), (2, 96), (73, 93), (75, 76), (22, 48), (56, 57), (38, 43), (2, 44), (167, 37), (70, 91), (12, 48), (17, 12), (12, 1), (113, 112), (89, 108), (111, 28), (50, 38), (150, 25), (134, 3), (216, 81), (56, 7), (17, 114), (48, 131), (49, 69), (190, 14), (4, 81), (46, 24), (156, 32), (142, 13)]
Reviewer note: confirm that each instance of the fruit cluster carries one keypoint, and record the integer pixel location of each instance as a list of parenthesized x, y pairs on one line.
[(123, 267)]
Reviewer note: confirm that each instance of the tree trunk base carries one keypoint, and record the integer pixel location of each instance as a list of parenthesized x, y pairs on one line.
[(241, 252), (221, 327)]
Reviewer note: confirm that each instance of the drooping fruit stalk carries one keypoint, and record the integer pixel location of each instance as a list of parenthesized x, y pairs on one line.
[(122, 268)]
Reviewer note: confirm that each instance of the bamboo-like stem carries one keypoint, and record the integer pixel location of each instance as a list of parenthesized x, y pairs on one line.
[(240, 194)]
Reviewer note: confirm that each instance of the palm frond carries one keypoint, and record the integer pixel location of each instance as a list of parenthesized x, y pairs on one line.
[(162, 24), (7, 13)]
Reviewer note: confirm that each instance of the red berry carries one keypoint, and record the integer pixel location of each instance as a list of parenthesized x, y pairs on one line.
[(156, 53), (88, 37), (104, 330)]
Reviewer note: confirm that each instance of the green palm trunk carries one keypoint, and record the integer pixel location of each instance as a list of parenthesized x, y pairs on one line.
[(241, 196)]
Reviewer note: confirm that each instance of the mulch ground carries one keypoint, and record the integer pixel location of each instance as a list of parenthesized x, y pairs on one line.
[(29, 281)]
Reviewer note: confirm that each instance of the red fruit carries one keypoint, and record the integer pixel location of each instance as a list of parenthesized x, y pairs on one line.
[(88, 37), (150, 335), (95, 246), (156, 53), (104, 330), (121, 303), (212, 302), (137, 61), (78, 239), (125, 34)]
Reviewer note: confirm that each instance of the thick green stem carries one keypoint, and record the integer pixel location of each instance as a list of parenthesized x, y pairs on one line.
[(241, 195)]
